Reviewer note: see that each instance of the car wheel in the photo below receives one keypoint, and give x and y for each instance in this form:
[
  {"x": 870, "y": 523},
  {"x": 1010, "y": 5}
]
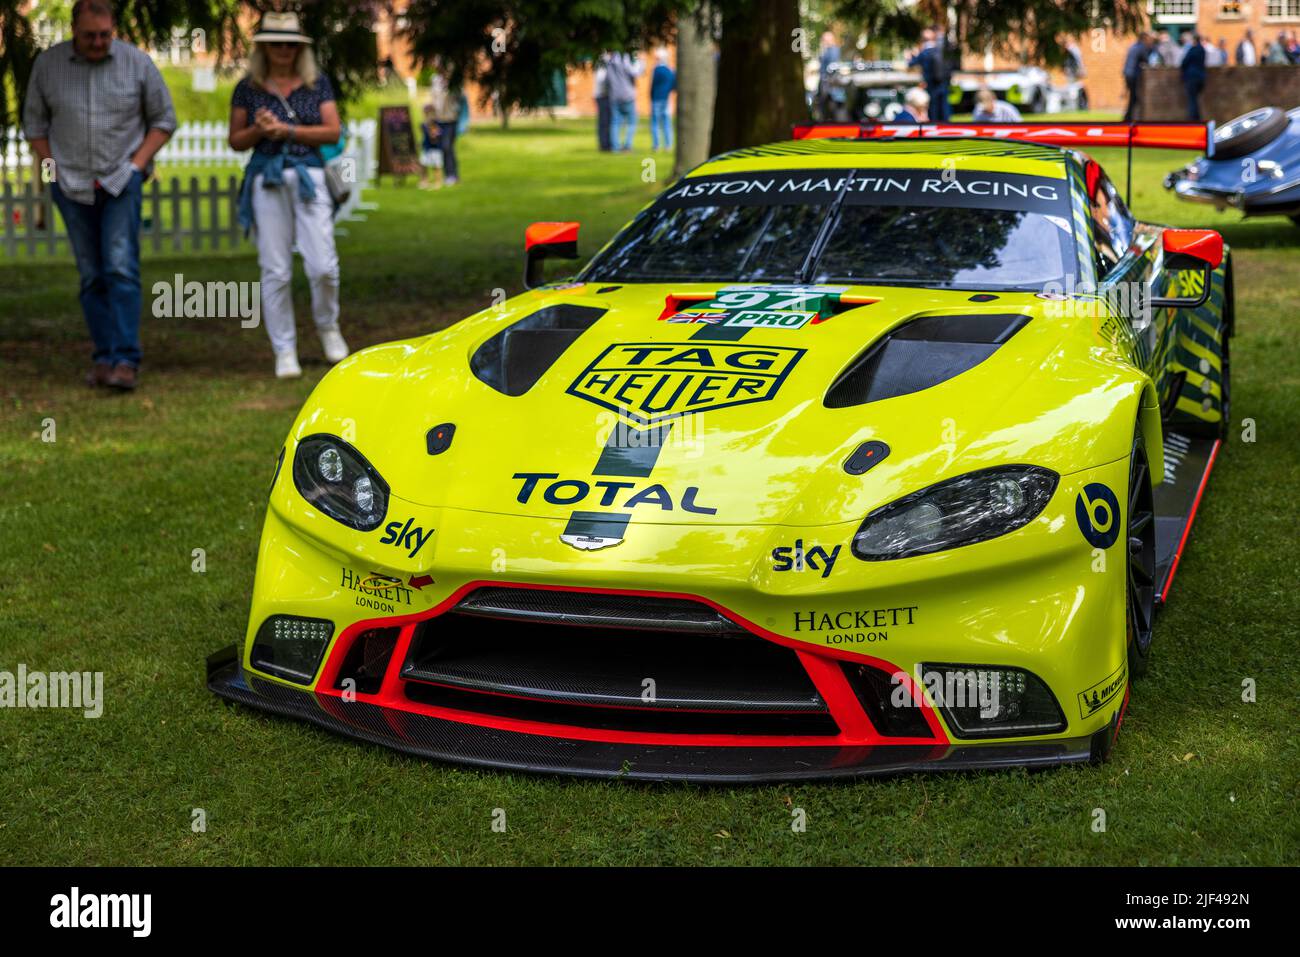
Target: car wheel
[
  {"x": 1140, "y": 558},
  {"x": 1249, "y": 132}
]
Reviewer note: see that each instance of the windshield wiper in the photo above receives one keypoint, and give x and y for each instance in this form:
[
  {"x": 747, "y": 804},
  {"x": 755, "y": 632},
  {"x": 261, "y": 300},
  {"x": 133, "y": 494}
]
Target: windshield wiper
[{"x": 828, "y": 226}]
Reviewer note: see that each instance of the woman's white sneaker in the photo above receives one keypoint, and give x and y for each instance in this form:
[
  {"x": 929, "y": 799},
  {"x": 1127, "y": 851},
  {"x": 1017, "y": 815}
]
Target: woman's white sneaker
[
  {"x": 286, "y": 365},
  {"x": 336, "y": 350}
]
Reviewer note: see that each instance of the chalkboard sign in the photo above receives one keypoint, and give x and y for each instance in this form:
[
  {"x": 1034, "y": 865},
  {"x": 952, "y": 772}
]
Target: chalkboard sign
[{"x": 397, "y": 153}]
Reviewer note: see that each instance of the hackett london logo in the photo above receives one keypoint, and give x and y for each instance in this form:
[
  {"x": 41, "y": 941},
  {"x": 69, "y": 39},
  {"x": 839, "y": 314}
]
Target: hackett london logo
[
  {"x": 855, "y": 626},
  {"x": 651, "y": 381}
]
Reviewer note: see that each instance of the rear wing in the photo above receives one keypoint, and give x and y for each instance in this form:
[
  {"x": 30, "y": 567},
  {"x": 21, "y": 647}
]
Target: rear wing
[{"x": 1171, "y": 136}]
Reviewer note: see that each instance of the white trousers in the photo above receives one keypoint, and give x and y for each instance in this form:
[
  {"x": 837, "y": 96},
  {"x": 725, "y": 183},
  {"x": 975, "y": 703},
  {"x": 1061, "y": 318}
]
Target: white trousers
[{"x": 284, "y": 219}]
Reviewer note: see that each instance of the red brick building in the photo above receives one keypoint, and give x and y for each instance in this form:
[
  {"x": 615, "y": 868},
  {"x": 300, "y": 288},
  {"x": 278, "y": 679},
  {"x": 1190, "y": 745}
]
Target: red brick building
[{"x": 1103, "y": 51}]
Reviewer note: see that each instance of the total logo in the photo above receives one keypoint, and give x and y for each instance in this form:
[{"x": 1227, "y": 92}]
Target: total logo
[
  {"x": 1097, "y": 512},
  {"x": 795, "y": 558},
  {"x": 572, "y": 491},
  {"x": 409, "y": 536}
]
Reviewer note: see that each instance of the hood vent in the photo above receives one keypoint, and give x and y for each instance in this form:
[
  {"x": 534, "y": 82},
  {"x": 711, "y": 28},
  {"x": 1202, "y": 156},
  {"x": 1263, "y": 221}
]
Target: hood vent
[
  {"x": 920, "y": 354},
  {"x": 516, "y": 357}
]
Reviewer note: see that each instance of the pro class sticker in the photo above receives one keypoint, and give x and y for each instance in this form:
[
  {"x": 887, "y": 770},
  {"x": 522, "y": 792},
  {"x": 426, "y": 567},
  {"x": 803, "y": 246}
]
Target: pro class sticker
[
  {"x": 765, "y": 307},
  {"x": 1097, "y": 511},
  {"x": 1102, "y": 693}
]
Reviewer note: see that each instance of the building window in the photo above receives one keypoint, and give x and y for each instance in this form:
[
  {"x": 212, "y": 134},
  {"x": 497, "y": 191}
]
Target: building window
[
  {"x": 1282, "y": 10},
  {"x": 1173, "y": 11}
]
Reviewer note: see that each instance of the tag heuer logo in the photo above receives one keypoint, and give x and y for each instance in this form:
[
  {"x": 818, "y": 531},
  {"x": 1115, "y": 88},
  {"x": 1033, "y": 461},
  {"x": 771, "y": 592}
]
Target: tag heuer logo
[{"x": 650, "y": 381}]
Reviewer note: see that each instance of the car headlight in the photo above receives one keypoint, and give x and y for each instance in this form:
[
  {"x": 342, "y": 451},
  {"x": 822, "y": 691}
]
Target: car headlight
[
  {"x": 961, "y": 511},
  {"x": 337, "y": 479}
]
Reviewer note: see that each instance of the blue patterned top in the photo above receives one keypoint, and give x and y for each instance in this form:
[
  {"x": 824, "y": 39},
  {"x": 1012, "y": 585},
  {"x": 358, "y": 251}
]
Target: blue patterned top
[{"x": 306, "y": 102}]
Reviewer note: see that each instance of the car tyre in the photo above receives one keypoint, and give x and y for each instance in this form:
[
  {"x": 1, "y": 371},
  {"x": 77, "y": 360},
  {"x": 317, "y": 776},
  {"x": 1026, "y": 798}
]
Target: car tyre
[{"x": 1266, "y": 125}]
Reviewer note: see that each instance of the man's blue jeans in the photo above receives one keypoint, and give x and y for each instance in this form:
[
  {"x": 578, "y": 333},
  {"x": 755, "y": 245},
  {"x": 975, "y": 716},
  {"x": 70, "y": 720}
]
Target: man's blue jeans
[
  {"x": 105, "y": 239},
  {"x": 661, "y": 124},
  {"x": 624, "y": 127},
  {"x": 939, "y": 107}
]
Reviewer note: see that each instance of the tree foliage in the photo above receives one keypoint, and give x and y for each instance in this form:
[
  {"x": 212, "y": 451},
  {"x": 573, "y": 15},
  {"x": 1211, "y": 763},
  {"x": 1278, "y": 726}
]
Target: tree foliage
[
  {"x": 1033, "y": 28},
  {"x": 514, "y": 48},
  {"x": 345, "y": 46}
]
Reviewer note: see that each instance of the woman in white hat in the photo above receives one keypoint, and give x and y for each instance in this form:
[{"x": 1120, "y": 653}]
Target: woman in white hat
[{"x": 284, "y": 111}]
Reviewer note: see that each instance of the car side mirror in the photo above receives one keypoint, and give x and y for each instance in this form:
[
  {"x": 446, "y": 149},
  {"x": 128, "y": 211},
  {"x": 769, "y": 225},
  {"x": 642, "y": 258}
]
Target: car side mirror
[
  {"x": 547, "y": 241},
  {"x": 1190, "y": 249}
]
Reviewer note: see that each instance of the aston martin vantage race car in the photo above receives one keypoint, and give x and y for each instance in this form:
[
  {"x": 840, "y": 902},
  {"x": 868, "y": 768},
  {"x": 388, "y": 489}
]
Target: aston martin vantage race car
[{"x": 874, "y": 450}]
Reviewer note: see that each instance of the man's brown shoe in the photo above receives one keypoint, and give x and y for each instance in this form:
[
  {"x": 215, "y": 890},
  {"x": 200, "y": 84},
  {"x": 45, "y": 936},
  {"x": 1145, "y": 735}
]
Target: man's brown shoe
[
  {"x": 99, "y": 374},
  {"x": 123, "y": 377}
]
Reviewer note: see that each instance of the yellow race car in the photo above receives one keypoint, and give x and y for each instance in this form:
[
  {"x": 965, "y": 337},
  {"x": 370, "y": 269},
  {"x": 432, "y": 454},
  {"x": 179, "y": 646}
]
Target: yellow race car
[{"x": 868, "y": 451}]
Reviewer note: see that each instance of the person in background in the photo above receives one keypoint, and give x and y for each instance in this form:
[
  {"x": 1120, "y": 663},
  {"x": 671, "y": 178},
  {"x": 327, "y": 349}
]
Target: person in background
[
  {"x": 916, "y": 107},
  {"x": 100, "y": 110},
  {"x": 1189, "y": 39},
  {"x": 1247, "y": 55},
  {"x": 1276, "y": 54},
  {"x": 830, "y": 53},
  {"x": 989, "y": 109},
  {"x": 284, "y": 111},
  {"x": 430, "y": 154},
  {"x": 620, "y": 76},
  {"x": 604, "y": 117},
  {"x": 1216, "y": 54},
  {"x": 462, "y": 122},
  {"x": 446, "y": 113},
  {"x": 1074, "y": 66},
  {"x": 663, "y": 81},
  {"x": 1134, "y": 60},
  {"x": 931, "y": 58},
  {"x": 1292, "y": 49},
  {"x": 1165, "y": 52},
  {"x": 1193, "y": 70}
]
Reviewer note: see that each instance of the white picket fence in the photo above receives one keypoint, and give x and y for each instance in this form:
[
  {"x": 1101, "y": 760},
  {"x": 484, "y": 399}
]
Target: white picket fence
[{"x": 25, "y": 206}]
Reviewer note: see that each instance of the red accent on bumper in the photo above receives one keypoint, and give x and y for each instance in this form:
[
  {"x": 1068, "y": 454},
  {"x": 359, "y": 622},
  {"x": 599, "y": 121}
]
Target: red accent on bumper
[{"x": 855, "y": 727}]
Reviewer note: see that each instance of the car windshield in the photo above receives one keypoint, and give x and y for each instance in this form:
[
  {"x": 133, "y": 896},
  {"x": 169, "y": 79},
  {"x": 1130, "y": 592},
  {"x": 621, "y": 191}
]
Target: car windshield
[{"x": 938, "y": 228}]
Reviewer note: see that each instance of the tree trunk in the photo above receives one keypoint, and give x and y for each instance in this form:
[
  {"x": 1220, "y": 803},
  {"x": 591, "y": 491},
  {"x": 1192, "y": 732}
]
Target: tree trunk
[
  {"x": 697, "y": 85},
  {"x": 760, "y": 77}
]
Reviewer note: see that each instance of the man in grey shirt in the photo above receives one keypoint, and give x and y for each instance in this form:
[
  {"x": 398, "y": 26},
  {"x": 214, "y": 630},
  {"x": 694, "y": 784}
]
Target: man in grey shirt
[
  {"x": 98, "y": 109},
  {"x": 621, "y": 71}
]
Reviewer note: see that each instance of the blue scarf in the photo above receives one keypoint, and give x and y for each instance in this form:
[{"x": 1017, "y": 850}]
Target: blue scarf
[{"x": 271, "y": 167}]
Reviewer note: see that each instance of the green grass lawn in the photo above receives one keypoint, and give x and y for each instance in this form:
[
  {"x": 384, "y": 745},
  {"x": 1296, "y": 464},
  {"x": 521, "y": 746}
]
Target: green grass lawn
[{"x": 97, "y": 531}]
